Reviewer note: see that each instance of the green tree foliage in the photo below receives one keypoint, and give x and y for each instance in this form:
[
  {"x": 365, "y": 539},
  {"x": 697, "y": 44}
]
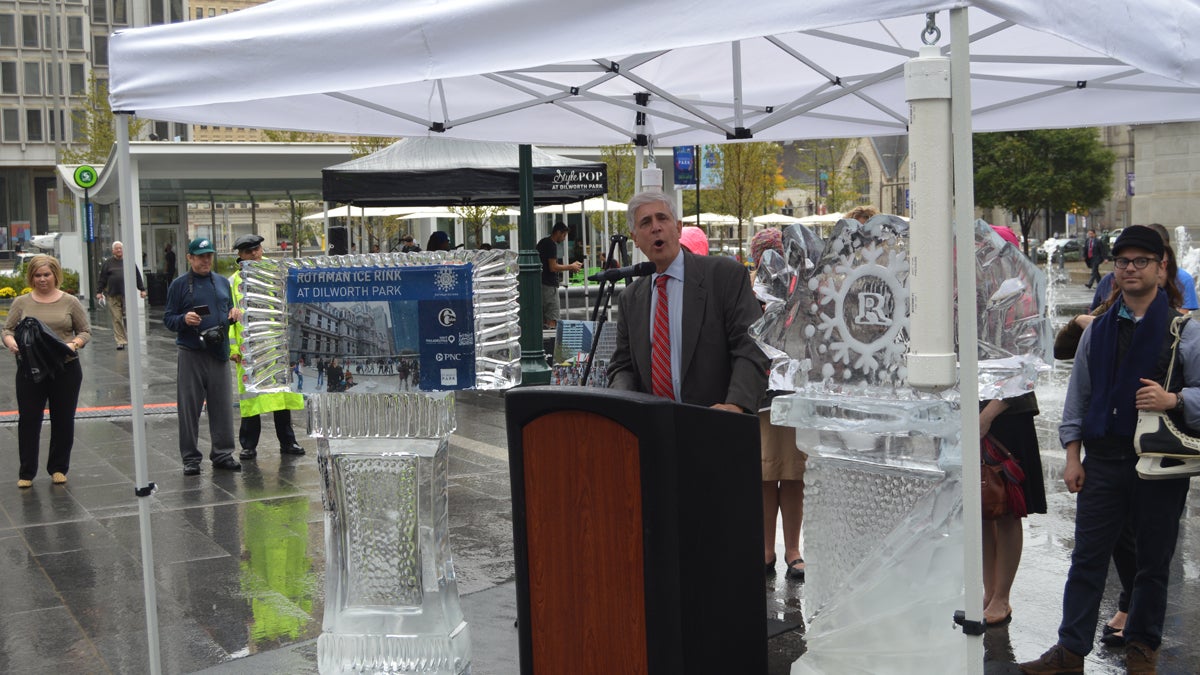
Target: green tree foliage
[
  {"x": 286, "y": 136},
  {"x": 750, "y": 177},
  {"x": 99, "y": 130},
  {"x": 825, "y": 154},
  {"x": 1029, "y": 171},
  {"x": 362, "y": 146},
  {"x": 476, "y": 217},
  {"x": 296, "y": 230},
  {"x": 622, "y": 167}
]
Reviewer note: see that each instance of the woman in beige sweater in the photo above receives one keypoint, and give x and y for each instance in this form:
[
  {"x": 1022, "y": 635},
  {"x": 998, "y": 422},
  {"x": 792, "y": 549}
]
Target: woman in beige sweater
[{"x": 63, "y": 314}]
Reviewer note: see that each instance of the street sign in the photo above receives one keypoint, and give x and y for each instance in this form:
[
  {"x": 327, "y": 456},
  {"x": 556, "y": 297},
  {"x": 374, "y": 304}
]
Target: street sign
[{"x": 85, "y": 176}]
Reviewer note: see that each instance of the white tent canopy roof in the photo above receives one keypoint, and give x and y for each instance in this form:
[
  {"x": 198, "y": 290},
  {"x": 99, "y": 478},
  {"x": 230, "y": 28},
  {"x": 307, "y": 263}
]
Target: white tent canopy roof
[
  {"x": 592, "y": 205},
  {"x": 414, "y": 67}
]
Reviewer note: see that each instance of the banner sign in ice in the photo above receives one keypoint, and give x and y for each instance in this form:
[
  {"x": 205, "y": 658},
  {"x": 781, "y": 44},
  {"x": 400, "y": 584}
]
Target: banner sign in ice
[{"x": 390, "y": 328}]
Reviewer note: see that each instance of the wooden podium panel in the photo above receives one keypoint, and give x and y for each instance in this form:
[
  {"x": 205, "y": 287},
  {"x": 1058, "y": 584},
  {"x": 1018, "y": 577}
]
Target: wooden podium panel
[
  {"x": 637, "y": 532},
  {"x": 584, "y": 509}
]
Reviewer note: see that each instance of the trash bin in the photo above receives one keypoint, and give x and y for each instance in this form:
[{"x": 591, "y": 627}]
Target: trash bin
[{"x": 156, "y": 288}]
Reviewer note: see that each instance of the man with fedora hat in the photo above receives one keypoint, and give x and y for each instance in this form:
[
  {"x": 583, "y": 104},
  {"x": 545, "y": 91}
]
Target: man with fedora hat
[
  {"x": 1120, "y": 368},
  {"x": 251, "y": 406},
  {"x": 199, "y": 310}
]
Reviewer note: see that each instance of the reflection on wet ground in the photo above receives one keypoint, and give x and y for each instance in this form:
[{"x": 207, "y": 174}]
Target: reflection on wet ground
[{"x": 239, "y": 559}]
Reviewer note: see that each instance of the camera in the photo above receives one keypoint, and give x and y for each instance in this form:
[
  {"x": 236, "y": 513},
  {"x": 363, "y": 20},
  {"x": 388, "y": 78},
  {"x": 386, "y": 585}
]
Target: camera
[{"x": 214, "y": 337}]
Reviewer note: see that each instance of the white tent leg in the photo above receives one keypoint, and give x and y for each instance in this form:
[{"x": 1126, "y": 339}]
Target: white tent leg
[
  {"x": 964, "y": 222},
  {"x": 131, "y": 219}
]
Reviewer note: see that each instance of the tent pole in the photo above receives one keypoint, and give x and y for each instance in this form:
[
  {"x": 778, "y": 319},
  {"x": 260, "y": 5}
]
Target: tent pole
[
  {"x": 964, "y": 217},
  {"x": 132, "y": 212},
  {"x": 534, "y": 369}
]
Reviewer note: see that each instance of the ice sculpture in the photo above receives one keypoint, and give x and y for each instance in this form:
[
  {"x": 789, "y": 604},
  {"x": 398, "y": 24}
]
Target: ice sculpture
[
  {"x": 406, "y": 329},
  {"x": 883, "y": 497}
]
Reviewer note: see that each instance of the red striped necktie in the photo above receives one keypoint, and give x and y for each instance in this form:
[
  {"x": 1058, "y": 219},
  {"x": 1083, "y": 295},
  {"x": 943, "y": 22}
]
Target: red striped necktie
[{"x": 661, "y": 343}]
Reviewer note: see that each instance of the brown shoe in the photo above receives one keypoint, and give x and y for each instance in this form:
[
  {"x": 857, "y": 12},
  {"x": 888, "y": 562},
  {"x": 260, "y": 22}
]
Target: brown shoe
[
  {"x": 1058, "y": 660},
  {"x": 1140, "y": 659}
]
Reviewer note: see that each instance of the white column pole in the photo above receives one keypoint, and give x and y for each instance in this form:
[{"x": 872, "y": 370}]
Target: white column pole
[
  {"x": 131, "y": 215},
  {"x": 964, "y": 223}
]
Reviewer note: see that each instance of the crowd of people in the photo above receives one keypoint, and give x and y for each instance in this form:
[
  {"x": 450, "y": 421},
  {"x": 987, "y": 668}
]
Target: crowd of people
[{"x": 1123, "y": 349}]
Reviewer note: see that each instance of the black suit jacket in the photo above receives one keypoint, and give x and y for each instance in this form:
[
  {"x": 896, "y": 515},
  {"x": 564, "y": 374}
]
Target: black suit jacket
[{"x": 720, "y": 363}]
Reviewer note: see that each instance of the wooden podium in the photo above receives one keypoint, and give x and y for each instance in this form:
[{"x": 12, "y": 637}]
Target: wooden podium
[{"x": 637, "y": 524}]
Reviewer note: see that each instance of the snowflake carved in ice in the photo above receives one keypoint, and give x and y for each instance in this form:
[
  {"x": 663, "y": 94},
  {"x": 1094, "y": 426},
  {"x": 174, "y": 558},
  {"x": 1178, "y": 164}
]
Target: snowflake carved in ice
[
  {"x": 445, "y": 280},
  {"x": 862, "y": 308}
]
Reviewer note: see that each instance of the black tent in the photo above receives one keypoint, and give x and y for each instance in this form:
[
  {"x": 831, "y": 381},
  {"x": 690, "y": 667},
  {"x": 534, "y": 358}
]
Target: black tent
[{"x": 427, "y": 171}]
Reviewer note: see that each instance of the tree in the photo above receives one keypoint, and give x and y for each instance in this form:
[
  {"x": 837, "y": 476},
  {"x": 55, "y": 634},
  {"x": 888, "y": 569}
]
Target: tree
[
  {"x": 1050, "y": 169},
  {"x": 286, "y": 136},
  {"x": 823, "y": 155},
  {"x": 296, "y": 229},
  {"x": 381, "y": 231},
  {"x": 99, "y": 131},
  {"x": 750, "y": 177},
  {"x": 476, "y": 217},
  {"x": 361, "y": 146},
  {"x": 622, "y": 166}
]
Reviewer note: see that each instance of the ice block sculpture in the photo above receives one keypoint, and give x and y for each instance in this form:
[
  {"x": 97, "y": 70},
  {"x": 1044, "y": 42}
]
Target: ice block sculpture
[
  {"x": 883, "y": 497},
  {"x": 400, "y": 333}
]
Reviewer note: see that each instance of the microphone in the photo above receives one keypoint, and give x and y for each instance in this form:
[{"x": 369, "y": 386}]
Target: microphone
[{"x": 639, "y": 270}]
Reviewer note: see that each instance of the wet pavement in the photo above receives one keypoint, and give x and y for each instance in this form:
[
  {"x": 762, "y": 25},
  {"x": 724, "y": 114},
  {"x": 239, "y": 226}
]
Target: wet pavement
[{"x": 239, "y": 558}]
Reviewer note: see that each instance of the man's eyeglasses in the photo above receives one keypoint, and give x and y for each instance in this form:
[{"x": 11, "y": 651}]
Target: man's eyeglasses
[{"x": 1138, "y": 263}]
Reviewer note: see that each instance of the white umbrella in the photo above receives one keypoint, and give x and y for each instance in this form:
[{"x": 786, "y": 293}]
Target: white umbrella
[
  {"x": 711, "y": 219},
  {"x": 822, "y": 219},
  {"x": 446, "y": 212},
  {"x": 359, "y": 211},
  {"x": 774, "y": 219}
]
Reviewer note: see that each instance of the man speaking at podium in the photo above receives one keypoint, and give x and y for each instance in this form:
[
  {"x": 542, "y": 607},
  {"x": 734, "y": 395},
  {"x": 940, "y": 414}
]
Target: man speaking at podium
[{"x": 682, "y": 332}]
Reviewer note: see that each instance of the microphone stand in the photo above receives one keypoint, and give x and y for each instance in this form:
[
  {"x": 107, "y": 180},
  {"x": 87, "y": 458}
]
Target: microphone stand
[{"x": 603, "y": 299}]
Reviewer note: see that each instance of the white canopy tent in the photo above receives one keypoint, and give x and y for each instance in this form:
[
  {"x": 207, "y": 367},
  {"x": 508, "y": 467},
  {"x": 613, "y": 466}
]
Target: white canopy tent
[
  {"x": 779, "y": 71},
  {"x": 776, "y": 70}
]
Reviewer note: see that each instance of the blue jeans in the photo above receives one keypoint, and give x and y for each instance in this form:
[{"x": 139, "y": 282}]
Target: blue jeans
[{"x": 1112, "y": 492}]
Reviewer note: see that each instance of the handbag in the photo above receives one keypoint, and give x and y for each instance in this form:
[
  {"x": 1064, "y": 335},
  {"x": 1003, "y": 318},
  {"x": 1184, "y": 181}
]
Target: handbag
[
  {"x": 1165, "y": 433},
  {"x": 1000, "y": 481}
]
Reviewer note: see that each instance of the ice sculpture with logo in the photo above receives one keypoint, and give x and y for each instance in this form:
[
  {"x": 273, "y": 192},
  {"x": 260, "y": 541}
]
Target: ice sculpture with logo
[
  {"x": 883, "y": 497},
  {"x": 400, "y": 332}
]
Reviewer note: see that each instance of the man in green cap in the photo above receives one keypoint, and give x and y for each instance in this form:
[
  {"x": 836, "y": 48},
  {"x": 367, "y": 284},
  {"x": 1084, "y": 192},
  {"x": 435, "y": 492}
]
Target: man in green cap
[
  {"x": 249, "y": 248},
  {"x": 199, "y": 311}
]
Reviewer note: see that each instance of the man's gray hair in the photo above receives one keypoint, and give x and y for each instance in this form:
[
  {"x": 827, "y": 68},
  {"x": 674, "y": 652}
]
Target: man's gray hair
[
  {"x": 648, "y": 197},
  {"x": 115, "y": 244}
]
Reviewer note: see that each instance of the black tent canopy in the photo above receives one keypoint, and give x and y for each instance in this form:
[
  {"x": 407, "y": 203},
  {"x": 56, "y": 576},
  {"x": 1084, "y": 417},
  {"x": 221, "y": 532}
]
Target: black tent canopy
[{"x": 429, "y": 171}]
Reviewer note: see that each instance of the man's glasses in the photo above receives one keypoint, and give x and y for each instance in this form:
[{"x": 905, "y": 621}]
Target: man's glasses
[{"x": 1138, "y": 263}]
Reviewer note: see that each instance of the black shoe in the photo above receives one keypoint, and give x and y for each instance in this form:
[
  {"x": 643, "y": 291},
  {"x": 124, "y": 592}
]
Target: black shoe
[
  {"x": 1112, "y": 637},
  {"x": 227, "y": 463},
  {"x": 248, "y": 453},
  {"x": 191, "y": 469},
  {"x": 295, "y": 449},
  {"x": 795, "y": 570},
  {"x": 120, "y": 347}
]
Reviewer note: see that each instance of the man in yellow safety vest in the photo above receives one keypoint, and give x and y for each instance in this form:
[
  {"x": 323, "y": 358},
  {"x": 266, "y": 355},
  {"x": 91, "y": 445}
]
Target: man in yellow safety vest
[{"x": 249, "y": 248}]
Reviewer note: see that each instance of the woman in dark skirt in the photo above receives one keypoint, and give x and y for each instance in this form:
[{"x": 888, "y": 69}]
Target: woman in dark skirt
[{"x": 1009, "y": 421}]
